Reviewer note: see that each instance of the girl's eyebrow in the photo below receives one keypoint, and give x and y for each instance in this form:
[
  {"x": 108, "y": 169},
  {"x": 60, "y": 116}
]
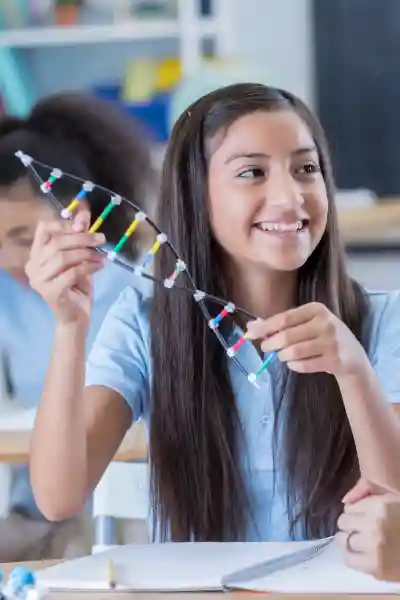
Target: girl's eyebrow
[
  {"x": 237, "y": 155},
  {"x": 298, "y": 151},
  {"x": 305, "y": 150}
]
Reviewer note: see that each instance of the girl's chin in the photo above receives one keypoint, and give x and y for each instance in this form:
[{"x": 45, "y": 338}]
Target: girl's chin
[
  {"x": 20, "y": 276},
  {"x": 286, "y": 262}
]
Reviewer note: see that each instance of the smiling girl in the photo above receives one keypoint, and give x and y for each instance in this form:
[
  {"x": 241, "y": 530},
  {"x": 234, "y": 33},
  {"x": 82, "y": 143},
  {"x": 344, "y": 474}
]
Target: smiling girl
[{"x": 248, "y": 200}]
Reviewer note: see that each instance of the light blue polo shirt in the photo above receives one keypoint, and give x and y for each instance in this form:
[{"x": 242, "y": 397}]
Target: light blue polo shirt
[
  {"x": 26, "y": 334},
  {"x": 120, "y": 360}
]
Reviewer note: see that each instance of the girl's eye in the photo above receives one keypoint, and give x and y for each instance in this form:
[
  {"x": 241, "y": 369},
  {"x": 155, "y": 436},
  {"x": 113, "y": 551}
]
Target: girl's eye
[
  {"x": 309, "y": 169},
  {"x": 251, "y": 173},
  {"x": 24, "y": 242}
]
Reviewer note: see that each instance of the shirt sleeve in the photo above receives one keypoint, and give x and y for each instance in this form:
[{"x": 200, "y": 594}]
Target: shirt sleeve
[
  {"x": 119, "y": 358},
  {"x": 386, "y": 347}
]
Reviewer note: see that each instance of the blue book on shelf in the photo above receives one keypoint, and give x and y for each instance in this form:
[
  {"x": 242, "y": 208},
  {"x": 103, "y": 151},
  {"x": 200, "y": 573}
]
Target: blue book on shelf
[
  {"x": 153, "y": 113},
  {"x": 15, "y": 87}
]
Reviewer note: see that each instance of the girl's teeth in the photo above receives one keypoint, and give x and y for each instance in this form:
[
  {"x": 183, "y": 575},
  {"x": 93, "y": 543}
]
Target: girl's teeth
[{"x": 281, "y": 226}]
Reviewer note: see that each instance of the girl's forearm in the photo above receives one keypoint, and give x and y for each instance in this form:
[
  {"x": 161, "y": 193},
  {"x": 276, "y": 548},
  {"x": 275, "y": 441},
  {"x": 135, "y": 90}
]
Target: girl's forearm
[
  {"x": 375, "y": 426},
  {"x": 58, "y": 460}
]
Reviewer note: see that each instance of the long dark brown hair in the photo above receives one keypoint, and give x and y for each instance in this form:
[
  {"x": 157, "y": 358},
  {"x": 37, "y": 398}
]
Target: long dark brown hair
[{"x": 197, "y": 487}]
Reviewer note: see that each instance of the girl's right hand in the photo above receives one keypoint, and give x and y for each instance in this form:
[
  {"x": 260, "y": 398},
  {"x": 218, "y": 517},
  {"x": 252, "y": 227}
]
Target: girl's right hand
[{"x": 62, "y": 262}]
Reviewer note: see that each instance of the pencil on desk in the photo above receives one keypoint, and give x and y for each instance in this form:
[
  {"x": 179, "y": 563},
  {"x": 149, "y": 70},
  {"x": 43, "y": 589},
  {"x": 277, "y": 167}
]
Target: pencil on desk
[{"x": 112, "y": 581}]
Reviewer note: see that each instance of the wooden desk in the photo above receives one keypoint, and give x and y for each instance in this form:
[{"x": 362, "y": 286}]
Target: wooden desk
[
  {"x": 35, "y": 566},
  {"x": 14, "y": 449},
  {"x": 14, "y": 446},
  {"x": 383, "y": 214},
  {"x": 377, "y": 226}
]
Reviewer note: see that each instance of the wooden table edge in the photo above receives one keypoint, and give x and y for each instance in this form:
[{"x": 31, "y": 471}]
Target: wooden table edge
[{"x": 15, "y": 445}]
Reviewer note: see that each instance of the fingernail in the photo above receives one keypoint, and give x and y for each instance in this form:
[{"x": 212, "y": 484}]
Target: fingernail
[
  {"x": 252, "y": 328},
  {"x": 78, "y": 227},
  {"x": 100, "y": 238},
  {"x": 253, "y": 322}
]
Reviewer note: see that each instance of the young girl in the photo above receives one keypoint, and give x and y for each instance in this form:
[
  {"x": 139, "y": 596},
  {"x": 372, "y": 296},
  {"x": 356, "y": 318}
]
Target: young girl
[
  {"x": 248, "y": 200},
  {"x": 92, "y": 139}
]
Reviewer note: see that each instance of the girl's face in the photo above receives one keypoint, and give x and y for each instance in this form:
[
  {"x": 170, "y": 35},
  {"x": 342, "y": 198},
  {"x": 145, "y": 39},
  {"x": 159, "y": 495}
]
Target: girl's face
[
  {"x": 267, "y": 195},
  {"x": 20, "y": 212}
]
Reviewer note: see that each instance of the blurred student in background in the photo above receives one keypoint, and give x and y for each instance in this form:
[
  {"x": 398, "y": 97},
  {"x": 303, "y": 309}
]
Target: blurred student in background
[{"x": 93, "y": 140}]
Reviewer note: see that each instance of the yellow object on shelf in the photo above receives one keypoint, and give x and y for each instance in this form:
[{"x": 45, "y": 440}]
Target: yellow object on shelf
[
  {"x": 140, "y": 82},
  {"x": 169, "y": 73},
  {"x": 146, "y": 77}
]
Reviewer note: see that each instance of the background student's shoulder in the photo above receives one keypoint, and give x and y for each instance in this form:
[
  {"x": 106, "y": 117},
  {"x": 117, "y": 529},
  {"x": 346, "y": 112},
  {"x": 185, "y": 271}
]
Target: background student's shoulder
[
  {"x": 21, "y": 309},
  {"x": 10, "y": 290},
  {"x": 5, "y": 296},
  {"x": 5, "y": 307}
]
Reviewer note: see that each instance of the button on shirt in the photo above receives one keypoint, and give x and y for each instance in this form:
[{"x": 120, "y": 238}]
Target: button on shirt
[
  {"x": 120, "y": 360},
  {"x": 26, "y": 334}
]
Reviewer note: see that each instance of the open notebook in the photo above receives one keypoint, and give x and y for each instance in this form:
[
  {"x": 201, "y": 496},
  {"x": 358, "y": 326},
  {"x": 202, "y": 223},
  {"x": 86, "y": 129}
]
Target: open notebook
[{"x": 282, "y": 567}]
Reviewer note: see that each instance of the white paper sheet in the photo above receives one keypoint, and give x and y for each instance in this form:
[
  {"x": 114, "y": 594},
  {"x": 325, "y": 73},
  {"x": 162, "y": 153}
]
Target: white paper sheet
[
  {"x": 326, "y": 573},
  {"x": 164, "y": 567}
]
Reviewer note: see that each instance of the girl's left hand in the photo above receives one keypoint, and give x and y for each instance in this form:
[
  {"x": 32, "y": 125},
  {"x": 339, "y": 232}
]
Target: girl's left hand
[
  {"x": 369, "y": 533},
  {"x": 310, "y": 339}
]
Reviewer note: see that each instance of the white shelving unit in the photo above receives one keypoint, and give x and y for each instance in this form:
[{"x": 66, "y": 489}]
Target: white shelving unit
[
  {"x": 88, "y": 34},
  {"x": 189, "y": 29}
]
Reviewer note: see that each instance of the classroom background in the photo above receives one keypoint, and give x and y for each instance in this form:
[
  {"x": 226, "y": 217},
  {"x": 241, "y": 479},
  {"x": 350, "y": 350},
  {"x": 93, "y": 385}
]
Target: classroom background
[{"x": 154, "y": 57}]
